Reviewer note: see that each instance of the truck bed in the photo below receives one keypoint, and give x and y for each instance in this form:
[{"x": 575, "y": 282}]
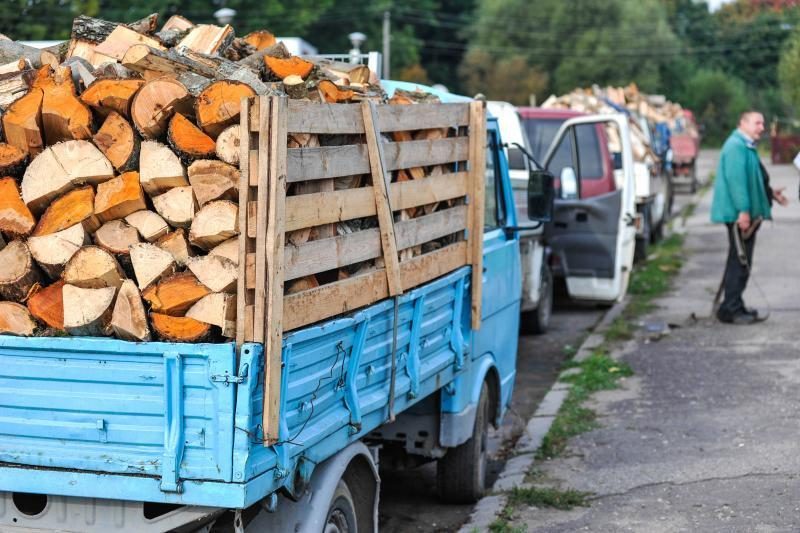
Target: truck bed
[{"x": 181, "y": 423}]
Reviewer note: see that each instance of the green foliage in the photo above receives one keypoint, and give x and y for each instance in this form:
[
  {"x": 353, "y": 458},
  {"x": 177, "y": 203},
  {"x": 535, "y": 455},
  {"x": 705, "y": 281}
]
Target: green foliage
[
  {"x": 548, "y": 497},
  {"x": 717, "y": 99},
  {"x": 510, "y": 79},
  {"x": 789, "y": 70}
]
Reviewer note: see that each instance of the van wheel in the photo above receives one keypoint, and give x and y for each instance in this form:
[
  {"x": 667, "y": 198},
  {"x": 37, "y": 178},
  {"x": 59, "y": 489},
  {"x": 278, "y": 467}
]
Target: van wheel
[
  {"x": 461, "y": 473},
  {"x": 642, "y": 241},
  {"x": 342, "y": 511},
  {"x": 538, "y": 320}
]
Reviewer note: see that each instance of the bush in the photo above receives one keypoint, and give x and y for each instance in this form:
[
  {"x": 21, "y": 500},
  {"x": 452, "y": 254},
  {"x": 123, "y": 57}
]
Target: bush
[{"x": 717, "y": 99}]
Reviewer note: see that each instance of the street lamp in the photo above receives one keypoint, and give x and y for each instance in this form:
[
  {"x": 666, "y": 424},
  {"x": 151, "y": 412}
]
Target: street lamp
[
  {"x": 225, "y": 15},
  {"x": 356, "y": 39}
]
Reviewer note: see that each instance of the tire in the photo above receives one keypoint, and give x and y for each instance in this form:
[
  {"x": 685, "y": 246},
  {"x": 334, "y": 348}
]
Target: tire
[
  {"x": 341, "y": 516},
  {"x": 461, "y": 473},
  {"x": 643, "y": 241},
  {"x": 693, "y": 177},
  {"x": 538, "y": 320}
]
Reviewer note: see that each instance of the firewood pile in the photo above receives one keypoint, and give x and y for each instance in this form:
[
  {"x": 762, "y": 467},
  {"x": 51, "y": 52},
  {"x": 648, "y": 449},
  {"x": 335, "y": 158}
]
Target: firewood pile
[{"x": 120, "y": 174}]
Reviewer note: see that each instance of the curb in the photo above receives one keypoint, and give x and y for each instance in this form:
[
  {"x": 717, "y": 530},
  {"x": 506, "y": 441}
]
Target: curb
[{"x": 524, "y": 452}]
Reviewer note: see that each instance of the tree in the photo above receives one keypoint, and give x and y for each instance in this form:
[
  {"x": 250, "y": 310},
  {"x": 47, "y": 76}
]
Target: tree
[
  {"x": 717, "y": 99},
  {"x": 789, "y": 70},
  {"x": 510, "y": 79}
]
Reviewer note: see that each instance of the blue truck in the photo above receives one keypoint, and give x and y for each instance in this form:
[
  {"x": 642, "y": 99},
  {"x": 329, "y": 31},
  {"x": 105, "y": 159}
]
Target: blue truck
[{"x": 106, "y": 435}]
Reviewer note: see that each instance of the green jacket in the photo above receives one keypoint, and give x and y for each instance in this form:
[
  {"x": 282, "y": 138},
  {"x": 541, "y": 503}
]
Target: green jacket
[{"x": 739, "y": 185}]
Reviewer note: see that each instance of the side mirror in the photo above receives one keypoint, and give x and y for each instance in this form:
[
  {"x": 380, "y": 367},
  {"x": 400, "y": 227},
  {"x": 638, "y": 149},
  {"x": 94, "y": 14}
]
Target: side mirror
[
  {"x": 617, "y": 160},
  {"x": 541, "y": 194},
  {"x": 516, "y": 159},
  {"x": 569, "y": 184}
]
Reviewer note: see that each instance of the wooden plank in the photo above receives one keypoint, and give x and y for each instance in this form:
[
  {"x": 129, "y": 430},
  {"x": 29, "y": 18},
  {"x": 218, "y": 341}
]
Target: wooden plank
[
  {"x": 274, "y": 246},
  {"x": 244, "y": 298},
  {"x": 313, "y": 305},
  {"x": 317, "y": 304},
  {"x": 321, "y": 162},
  {"x": 338, "y": 119},
  {"x": 430, "y": 266},
  {"x": 426, "y": 228},
  {"x": 259, "y": 222},
  {"x": 415, "y": 193},
  {"x": 477, "y": 171},
  {"x": 328, "y": 254},
  {"x": 380, "y": 186}
]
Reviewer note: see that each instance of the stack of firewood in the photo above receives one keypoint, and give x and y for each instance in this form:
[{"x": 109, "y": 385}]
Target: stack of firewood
[{"x": 119, "y": 174}]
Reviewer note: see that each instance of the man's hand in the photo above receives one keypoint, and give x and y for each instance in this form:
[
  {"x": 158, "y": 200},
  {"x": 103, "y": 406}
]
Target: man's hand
[
  {"x": 779, "y": 197},
  {"x": 743, "y": 221}
]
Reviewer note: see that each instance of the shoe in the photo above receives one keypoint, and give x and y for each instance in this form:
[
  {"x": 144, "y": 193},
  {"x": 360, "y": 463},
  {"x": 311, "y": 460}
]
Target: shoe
[
  {"x": 743, "y": 319},
  {"x": 754, "y": 312}
]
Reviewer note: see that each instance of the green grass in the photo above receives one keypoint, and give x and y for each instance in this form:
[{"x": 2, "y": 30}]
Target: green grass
[
  {"x": 654, "y": 278},
  {"x": 548, "y": 497},
  {"x": 598, "y": 372}
]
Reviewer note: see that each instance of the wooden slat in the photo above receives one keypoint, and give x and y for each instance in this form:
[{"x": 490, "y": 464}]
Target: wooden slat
[
  {"x": 244, "y": 331},
  {"x": 323, "y": 162},
  {"x": 274, "y": 251},
  {"x": 477, "y": 171},
  {"x": 380, "y": 186},
  {"x": 415, "y": 193},
  {"x": 259, "y": 222},
  {"x": 429, "y": 227},
  {"x": 430, "y": 266},
  {"x": 327, "y": 254},
  {"x": 323, "y": 302},
  {"x": 338, "y": 119}
]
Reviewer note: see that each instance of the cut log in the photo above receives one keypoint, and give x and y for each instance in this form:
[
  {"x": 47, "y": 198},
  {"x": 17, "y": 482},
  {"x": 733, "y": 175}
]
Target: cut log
[
  {"x": 129, "y": 320},
  {"x": 170, "y": 38},
  {"x": 160, "y": 169},
  {"x": 281, "y": 68},
  {"x": 177, "y": 245},
  {"x": 47, "y": 305},
  {"x": 117, "y": 140},
  {"x": 92, "y": 267},
  {"x": 179, "y": 328},
  {"x": 16, "y": 320},
  {"x": 150, "y": 263},
  {"x": 13, "y": 51},
  {"x": 22, "y": 123},
  {"x": 155, "y": 103},
  {"x": 149, "y": 61},
  {"x": 15, "y": 66},
  {"x": 60, "y": 168},
  {"x": 146, "y": 25},
  {"x": 64, "y": 116},
  {"x": 150, "y": 225},
  {"x": 82, "y": 72},
  {"x": 257, "y": 62},
  {"x": 213, "y": 180},
  {"x": 116, "y": 237},
  {"x": 238, "y": 50},
  {"x": 215, "y": 272},
  {"x": 15, "y": 217},
  {"x": 177, "y": 22},
  {"x": 107, "y": 95},
  {"x": 18, "y": 272},
  {"x": 119, "y": 197},
  {"x": 121, "y": 39},
  {"x": 260, "y": 39},
  {"x": 52, "y": 252},
  {"x": 175, "y": 294},
  {"x": 228, "y": 143},
  {"x": 332, "y": 94},
  {"x": 219, "y": 105},
  {"x": 223, "y": 69},
  {"x": 88, "y": 311},
  {"x": 302, "y": 284},
  {"x": 345, "y": 73},
  {"x": 74, "y": 207},
  {"x": 216, "y": 222},
  {"x": 295, "y": 87},
  {"x": 15, "y": 85},
  {"x": 86, "y": 50},
  {"x": 228, "y": 249},
  {"x": 208, "y": 39},
  {"x": 12, "y": 160},
  {"x": 218, "y": 310},
  {"x": 176, "y": 206},
  {"x": 188, "y": 140}
]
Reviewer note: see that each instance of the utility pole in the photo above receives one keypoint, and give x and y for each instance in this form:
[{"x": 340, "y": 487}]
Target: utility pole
[{"x": 387, "y": 44}]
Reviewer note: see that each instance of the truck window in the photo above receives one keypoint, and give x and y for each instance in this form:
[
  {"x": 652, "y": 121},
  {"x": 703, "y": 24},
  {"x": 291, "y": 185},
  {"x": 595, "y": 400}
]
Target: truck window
[
  {"x": 589, "y": 152},
  {"x": 541, "y": 134},
  {"x": 494, "y": 215}
]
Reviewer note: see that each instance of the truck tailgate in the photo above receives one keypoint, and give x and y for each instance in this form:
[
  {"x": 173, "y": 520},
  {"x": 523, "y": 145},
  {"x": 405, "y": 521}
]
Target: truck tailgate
[{"x": 117, "y": 407}]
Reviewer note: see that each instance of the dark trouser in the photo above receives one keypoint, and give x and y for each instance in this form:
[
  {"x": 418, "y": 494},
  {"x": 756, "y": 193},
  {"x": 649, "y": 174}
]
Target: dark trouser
[{"x": 736, "y": 275}]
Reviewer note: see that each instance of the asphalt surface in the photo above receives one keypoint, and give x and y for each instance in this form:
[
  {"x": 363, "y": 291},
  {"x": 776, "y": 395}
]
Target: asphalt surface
[{"x": 704, "y": 437}]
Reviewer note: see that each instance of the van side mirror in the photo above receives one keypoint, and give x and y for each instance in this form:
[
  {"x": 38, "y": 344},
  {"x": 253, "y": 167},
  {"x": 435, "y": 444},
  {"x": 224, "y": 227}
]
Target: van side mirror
[
  {"x": 541, "y": 194},
  {"x": 617, "y": 160},
  {"x": 516, "y": 159}
]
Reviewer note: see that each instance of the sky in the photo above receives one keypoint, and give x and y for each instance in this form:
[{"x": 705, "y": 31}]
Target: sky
[{"x": 713, "y": 5}]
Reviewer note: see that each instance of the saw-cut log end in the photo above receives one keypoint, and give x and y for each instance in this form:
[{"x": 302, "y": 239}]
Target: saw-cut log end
[
  {"x": 188, "y": 140},
  {"x": 150, "y": 225},
  {"x": 219, "y": 105},
  {"x": 88, "y": 311},
  {"x": 15, "y": 217},
  {"x": 92, "y": 267},
  {"x": 111, "y": 95},
  {"x": 118, "y": 142},
  {"x": 175, "y": 294},
  {"x": 218, "y": 310},
  {"x": 15, "y": 319},
  {"x": 47, "y": 305},
  {"x": 260, "y": 39},
  {"x": 53, "y": 251},
  {"x": 129, "y": 319},
  {"x": 155, "y": 103},
  {"x": 217, "y": 273},
  {"x": 294, "y": 65},
  {"x": 213, "y": 180},
  {"x": 74, "y": 207},
  {"x": 177, "y": 245},
  {"x": 228, "y": 145},
  {"x": 18, "y": 272},
  {"x": 215, "y": 223},
  {"x": 119, "y": 197},
  {"x": 160, "y": 169},
  {"x": 179, "y": 328},
  {"x": 177, "y": 206},
  {"x": 150, "y": 263}
]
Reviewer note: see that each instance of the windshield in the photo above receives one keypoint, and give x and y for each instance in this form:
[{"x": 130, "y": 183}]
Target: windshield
[{"x": 541, "y": 133}]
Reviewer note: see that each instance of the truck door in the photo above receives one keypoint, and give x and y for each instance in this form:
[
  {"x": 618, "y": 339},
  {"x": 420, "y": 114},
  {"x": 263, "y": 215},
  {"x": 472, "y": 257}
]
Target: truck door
[{"x": 593, "y": 238}]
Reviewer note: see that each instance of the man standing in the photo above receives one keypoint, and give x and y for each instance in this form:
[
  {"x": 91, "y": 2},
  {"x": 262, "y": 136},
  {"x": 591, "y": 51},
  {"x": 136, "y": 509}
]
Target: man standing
[{"x": 742, "y": 198}]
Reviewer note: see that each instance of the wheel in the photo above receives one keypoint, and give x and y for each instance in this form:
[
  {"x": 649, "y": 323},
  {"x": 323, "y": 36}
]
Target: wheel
[
  {"x": 342, "y": 511},
  {"x": 538, "y": 320},
  {"x": 461, "y": 473},
  {"x": 693, "y": 177},
  {"x": 643, "y": 240}
]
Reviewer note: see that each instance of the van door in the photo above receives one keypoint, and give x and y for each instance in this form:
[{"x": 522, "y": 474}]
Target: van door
[{"x": 593, "y": 238}]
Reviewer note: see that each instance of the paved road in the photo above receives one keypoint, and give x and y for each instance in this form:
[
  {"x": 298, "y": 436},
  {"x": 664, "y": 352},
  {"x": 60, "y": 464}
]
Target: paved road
[{"x": 704, "y": 437}]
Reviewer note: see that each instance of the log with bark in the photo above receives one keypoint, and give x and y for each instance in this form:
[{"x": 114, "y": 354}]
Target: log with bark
[
  {"x": 129, "y": 319},
  {"x": 64, "y": 116},
  {"x": 228, "y": 145},
  {"x": 155, "y": 103},
  {"x": 118, "y": 142},
  {"x": 119, "y": 197},
  {"x": 219, "y": 105},
  {"x": 47, "y": 305},
  {"x": 107, "y": 95},
  {"x": 52, "y": 252},
  {"x": 281, "y": 68},
  {"x": 88, "y": 311},
  {"x": 177, "y": 206},
  {"x": 12, "y": 160},
  {"x": 179, "y": 328},
  {"x": 15, "y": 319},
  {"x": 175, "y": 294},
  {"x": 93, "y": 267},
  {"x": 117, "y": 237},
  {"x": 74, "y": 207},
  {"x": 18, "y": 272},
  {"x": 189, "y": 141}
]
